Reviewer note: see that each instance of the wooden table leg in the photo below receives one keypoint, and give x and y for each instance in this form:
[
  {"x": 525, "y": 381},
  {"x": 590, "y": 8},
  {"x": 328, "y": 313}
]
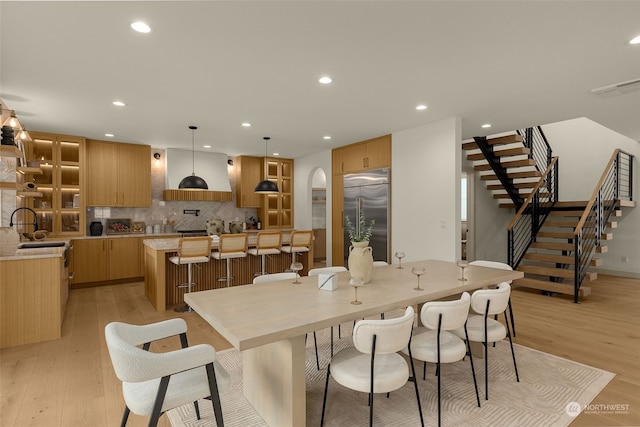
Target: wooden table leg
[{"x": 274, "y": 381}]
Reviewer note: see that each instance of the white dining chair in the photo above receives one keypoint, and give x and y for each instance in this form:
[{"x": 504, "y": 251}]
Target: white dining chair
[
  {"x": 434, "y": 343},
  {"x": 274, "y": 277},
  {"x": 153, "y": 383},
  {"x": 481, "y": 328},
  {"x": 373, "y": 364},
  {"x": 502, "y": 266},
  {"x": 315, "y": 272}
]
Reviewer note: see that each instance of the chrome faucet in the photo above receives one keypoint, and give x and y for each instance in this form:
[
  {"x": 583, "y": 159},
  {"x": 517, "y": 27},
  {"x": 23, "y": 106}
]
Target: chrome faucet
[{"x": 35, "y": 218}]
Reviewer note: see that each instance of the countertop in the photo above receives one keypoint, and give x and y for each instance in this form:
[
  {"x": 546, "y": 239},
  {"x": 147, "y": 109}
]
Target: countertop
[
  {"x": 34, "y": 253},
  {"x": 171, "y": 244}
]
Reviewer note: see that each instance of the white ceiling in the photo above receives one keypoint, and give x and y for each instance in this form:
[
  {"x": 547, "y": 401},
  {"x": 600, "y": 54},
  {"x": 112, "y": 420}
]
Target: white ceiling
[{"x": 217, "y": 64}]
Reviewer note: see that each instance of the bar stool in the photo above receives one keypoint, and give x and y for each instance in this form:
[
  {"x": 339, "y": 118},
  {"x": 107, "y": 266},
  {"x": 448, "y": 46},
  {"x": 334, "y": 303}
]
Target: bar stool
[
  {"x": 267, "y": 243},
  {"x": 191, "y": 250},
  {"x": 300, "y": 242},
  {"x": 231, "y": 246}
]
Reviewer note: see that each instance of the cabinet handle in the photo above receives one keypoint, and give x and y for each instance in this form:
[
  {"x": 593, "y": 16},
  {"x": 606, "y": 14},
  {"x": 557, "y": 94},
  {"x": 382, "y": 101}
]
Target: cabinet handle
[
  {"x": 110, "y": 244},
  {"x": 115, "y": 198},
  {"x": 123, "y": 197}
]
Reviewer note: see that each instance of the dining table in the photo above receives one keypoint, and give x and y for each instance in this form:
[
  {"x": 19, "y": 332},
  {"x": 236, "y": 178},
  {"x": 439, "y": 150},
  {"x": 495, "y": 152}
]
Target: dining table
[{"x": 267, "y": 322}]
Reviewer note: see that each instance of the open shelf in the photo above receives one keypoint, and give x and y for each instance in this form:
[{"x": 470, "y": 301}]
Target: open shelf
[{"x": 26, "y": 170}]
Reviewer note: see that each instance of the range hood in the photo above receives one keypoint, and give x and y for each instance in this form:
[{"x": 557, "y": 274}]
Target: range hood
[{"x": 212, "y": 167}]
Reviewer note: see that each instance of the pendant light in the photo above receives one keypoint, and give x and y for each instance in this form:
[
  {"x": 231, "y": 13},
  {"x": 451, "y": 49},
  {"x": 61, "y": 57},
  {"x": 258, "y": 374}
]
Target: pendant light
[
  {"x": 193, "y": 182},
  {"x": 266, "y": 186}
]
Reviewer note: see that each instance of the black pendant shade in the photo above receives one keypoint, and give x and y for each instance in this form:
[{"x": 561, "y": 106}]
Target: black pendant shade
[
  {"x": 193, "y": 182},
  {"x": 265, "y": 186}
]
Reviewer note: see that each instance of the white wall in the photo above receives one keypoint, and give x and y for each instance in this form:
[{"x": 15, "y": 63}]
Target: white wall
[
  {"x": 584, "y": 149},
  {"x": 425, "y": 191},
  {"x": 303, "y": 173}
]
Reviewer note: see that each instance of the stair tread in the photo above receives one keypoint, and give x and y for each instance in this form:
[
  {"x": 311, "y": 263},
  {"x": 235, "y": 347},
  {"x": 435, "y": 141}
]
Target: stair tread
[
  {"x": 512, "y": 175},
  {"x": 501, "y": 153},
  {"x": 554, "y": 272},
  {"x": 562, "y": 259},
  {"x": 518, "y": 185},
  {"x": 507, "y": 165},
  {"x": 507, "y": 139},
  {"x": 562, "y": 288}
]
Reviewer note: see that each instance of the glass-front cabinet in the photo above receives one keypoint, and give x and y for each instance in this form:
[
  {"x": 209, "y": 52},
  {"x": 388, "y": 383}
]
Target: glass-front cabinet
[
  {"x": 277, "y": 209},
  {"x": 59, "y": 157}
]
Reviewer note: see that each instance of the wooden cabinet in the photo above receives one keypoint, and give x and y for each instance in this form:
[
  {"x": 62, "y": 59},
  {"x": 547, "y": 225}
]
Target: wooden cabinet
[
  {"x": 249, "y": 172},
  {"x": 276, "y": 210},
  {"x": 33, "y": 297},
  {"x": 99, "y": 260},
  {"x": 60, "y": 180},
  {"x": 120, "y": 174},
  {"x": 366, "y": 155}
]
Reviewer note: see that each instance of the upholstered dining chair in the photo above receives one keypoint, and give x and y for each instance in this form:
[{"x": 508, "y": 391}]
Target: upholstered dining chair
[
  {"x": 267, "y": 243},
  {"x": 434, "y": 343},
  {"x": 191, "y": 250},
  {"x": 231, "y": 246},
  {"x": 325, "y": 270},
  {"x": 153, "y": 383},
  {"x": 373, "y": 364},
  {"x": 481, "y": 328},
  {"x": 274, "y": 277},
  {"x": 502, "y": 266}
]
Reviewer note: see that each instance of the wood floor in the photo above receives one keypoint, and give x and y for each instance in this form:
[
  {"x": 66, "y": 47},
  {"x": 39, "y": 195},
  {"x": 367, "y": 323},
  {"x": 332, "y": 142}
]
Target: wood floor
[{"x": 70, "y": 382}]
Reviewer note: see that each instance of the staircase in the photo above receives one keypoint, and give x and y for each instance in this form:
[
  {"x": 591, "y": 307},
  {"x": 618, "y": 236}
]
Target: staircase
[{"x": 554, "y": 243}]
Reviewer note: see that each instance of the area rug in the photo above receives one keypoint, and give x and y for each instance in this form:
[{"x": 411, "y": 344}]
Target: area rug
[{"x": 551, "y": 392}]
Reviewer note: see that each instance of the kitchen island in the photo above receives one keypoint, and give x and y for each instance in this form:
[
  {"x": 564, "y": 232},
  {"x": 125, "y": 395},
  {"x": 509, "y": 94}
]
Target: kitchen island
[
  {"x": 161, "y": 276},
  {"x": 34, "y": 287}
]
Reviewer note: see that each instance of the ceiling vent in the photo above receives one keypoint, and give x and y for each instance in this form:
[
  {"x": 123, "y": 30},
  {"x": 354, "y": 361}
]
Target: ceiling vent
[{"x": 617, "y": 88}]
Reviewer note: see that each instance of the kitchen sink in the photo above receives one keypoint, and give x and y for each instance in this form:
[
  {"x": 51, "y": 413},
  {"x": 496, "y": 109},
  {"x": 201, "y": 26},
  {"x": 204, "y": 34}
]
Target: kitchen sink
[{"x": 31, "y": 245}]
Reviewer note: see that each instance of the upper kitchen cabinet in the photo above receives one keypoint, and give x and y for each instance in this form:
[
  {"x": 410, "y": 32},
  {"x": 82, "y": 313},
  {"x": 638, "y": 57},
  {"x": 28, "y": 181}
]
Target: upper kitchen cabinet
[
  {"x": 249, "y": 172},
  {"x": 276, "y": 210},
  {"x": 60, "y": 159},
  {"x": 120, "y": 174},
  {"x": 366, "y": 155}
]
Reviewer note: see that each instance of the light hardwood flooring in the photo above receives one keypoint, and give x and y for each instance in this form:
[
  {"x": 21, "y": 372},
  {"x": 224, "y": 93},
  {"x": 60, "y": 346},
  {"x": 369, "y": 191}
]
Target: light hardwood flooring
[{"x": 70, "y": 382}]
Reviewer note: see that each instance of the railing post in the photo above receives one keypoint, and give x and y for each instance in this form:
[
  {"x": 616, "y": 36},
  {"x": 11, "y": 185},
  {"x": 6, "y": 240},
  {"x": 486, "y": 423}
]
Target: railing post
[
  {"x": 617, "y": 167},
  {"x": 510, "y": 248},
  {"x": 577, "y": 252},
  {"x": 535, "y": 216}
]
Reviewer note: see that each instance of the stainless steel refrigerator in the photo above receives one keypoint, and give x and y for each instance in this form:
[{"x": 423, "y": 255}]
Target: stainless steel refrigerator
[{"x": 369, "y": 192}]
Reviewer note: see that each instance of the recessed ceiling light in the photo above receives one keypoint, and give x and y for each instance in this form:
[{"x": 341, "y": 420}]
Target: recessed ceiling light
[
  {"x": 635, "y": 40},
  {"x": 246, "y": 125},
  {"x": 276, "y": 154},
  {"x": 118, "y": 103},
  {"x": 206, "y": 146},
  {"x": 486, "y": 125},
  {"x": 140, "y": 27},
  {"x": 326, "y": 137},
  {"x": 421, "y": 107},
  {"x": 110, "y": 135},
  {"x": 325, "y": 80}
]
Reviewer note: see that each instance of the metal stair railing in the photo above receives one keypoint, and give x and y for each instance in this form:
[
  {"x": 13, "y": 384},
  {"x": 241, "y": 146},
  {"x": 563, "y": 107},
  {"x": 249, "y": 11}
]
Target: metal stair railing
[
  {"x": 615, "y": 184},
  {"x": 524, "y": 226},
  {"x": 535, "y": 139}
]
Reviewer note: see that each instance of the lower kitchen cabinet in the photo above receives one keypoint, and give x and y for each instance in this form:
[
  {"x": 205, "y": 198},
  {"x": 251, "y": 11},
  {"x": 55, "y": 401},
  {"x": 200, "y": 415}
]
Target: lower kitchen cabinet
[
  {"x": 33, "y": 298},
  {"x": 99, "y": 260}
]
